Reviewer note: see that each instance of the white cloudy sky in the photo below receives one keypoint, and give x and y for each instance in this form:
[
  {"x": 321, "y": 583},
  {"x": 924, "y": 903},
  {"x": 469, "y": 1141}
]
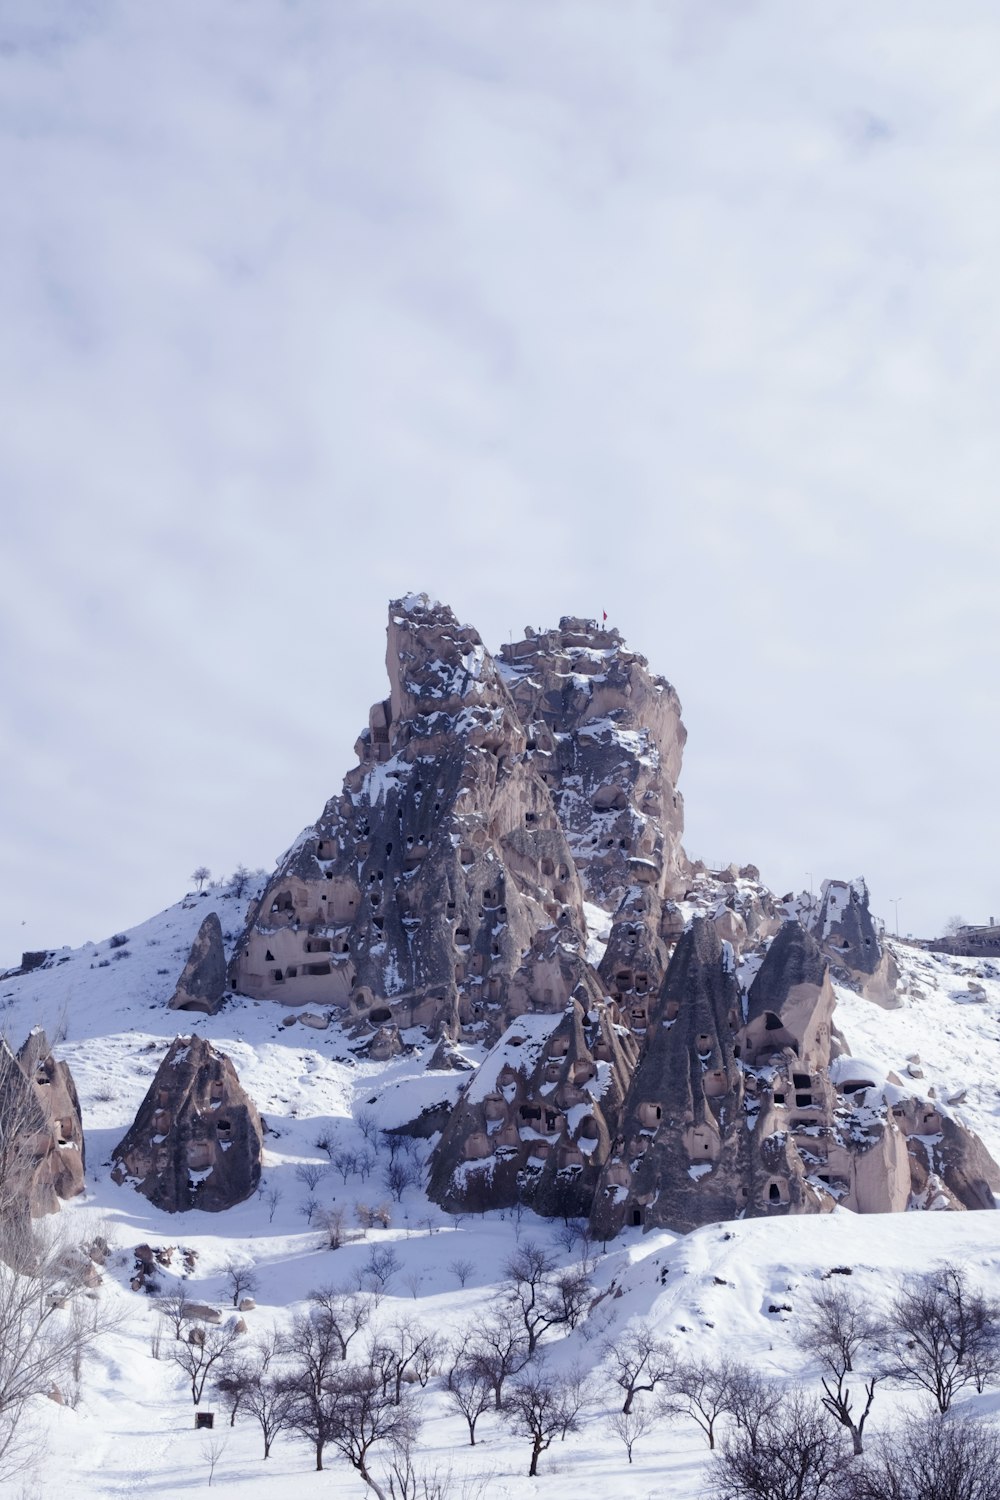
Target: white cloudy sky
[{"x": 685, "y": 311}]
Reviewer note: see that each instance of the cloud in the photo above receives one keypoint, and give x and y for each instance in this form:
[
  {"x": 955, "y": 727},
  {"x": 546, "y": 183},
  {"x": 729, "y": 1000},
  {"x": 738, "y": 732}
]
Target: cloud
[{"x": 683, "y": 312}]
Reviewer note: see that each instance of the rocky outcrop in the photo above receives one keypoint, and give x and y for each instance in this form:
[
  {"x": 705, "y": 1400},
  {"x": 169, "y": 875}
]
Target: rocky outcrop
[
  {"x": 537, "y": 1122},
  {"x": 197, "y": 1138},
  {"x": 606, "y": 737},
  {"x": 494, "y": 806},
  {"x": 948, "y": 1165},
  {"x": 202, "y": 984},
  {"x": 439, "y": 888},
  {"x": 681, "y": 1159},
  {"x": 842, "y": 925},
  {"x": 42, "y": 1156}
]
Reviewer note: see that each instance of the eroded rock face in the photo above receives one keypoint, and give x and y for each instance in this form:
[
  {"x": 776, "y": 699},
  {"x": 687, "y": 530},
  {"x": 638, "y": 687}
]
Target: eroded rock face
[
  {"x": 197, "y": 1138},
  {"x": 843, "y": 926},
  {"x": 439, "y": 888},
  {"x": 42, "y": 1156},
  {"x": 447, "y": 887},
  {"x": 731, "y": 1110},
  {"x": 203, "y": 980},
  {"x": 681, "y": 1159},
  {"x": 538, "y": 1120},
  {"x": 606, "y": 736}
]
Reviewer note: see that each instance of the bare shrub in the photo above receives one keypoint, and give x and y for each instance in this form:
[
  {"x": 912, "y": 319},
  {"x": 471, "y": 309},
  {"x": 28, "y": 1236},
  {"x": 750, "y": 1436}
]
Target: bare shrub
[
  {"x": 796, "y": 1456},
  {"x": 461, "y": 1270},
  {"x": 929, "y": 1460},
  {"x": 942, "y": 1336}
]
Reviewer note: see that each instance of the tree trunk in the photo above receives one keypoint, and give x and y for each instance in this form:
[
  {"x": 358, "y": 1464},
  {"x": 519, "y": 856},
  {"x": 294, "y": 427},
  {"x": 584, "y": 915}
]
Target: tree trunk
[{"x": 536, "y": 1449}]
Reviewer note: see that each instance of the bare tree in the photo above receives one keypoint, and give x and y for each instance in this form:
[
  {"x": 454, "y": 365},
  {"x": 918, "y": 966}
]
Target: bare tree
[
  {"x": 314, "y": 1348},
  {"x": 530, "y": 1287},
  {"x": 700, "y": 1390},
  {"x": 200, "y": 875},
  {"x": 367, "y": 1124},
  {"x": 571, "y": 1292},
  {"x": 212, "y": 1449},
  {"x": 942, "y": 1336},
  {"x": 364, "y": 1163},
  {"x": 796, "y": 1456},
  {"x": 333, "y": 1222},
  {"x": 538, "y": 1406},
  {"x": 201, "y": 1352},
  {"x": 232, "y": 1382},
  {"x": 266, "y": 1395},
  {"x": 930, "y": 1460},
  {"x": 308, "y": 1207},
  {"x": 380, "y": 1267},
  {"x": 461, "y": 1269},
  {"x": 406, "y": 1351},
  {"x": 241, "y": 1280},
  {"x": 272, "y": 1198},
  {"x": 345, "y": 1162},
  {"x": 310, "y": 1173},
  {"x": 470, "y": 1392},
  {"x": 406, "y": 1481},
  {"x": 175, "y": 1308},
  {"x": 499, "y": 1350},
  {"x": 343, "y": 1314},
  {"x": 239, "y": 881},
  {"x": 368, "y": 1417},
  {"x": 49, "y": 1320},
  {"x": 638, "y": 1361},
  {"x": 837, "y": 1328},
  {"x": 753, "y": 1399},
  {"x": 631, "y": 1425},
  {"x": 400, "y": 1174}
]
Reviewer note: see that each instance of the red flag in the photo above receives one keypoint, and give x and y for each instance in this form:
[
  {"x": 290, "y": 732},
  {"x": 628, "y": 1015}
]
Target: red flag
[{"x": 605, "y": 613}]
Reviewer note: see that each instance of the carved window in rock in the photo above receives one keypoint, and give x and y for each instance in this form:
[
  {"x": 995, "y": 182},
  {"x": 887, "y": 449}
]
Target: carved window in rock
[
  {"x": 282, "y": 902},
  {"x": 716, "y": 1084},
  {"x": 199, "y": 1155}
]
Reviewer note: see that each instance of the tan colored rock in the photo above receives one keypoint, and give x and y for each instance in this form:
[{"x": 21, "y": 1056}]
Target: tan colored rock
[
  {"x": 416, "y": 896},
  {"x": 42, "y": 1156}
]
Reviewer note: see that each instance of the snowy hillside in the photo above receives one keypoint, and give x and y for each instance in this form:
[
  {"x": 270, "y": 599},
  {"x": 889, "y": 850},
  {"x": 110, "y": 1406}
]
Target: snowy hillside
[{"x": 723, "y": 1290}]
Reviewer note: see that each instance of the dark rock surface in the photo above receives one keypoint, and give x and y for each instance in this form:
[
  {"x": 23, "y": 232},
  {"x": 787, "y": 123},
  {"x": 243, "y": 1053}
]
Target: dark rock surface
[
  {"x": 203, "y": 980},
  {"x": 197, "y": 1138}
]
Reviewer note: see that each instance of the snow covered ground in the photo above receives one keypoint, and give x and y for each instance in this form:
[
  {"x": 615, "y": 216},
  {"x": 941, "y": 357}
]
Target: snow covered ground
[{"x": 732, "y": 1289}]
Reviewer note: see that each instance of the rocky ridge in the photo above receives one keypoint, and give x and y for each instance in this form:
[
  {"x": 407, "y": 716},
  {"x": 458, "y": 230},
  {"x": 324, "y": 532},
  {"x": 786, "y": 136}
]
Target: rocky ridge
[{"x": 694, "y": 1072}]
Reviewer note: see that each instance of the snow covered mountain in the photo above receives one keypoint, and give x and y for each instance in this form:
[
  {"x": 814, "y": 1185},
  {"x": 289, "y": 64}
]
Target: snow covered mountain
[{"x": 342, "y": 1200}]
